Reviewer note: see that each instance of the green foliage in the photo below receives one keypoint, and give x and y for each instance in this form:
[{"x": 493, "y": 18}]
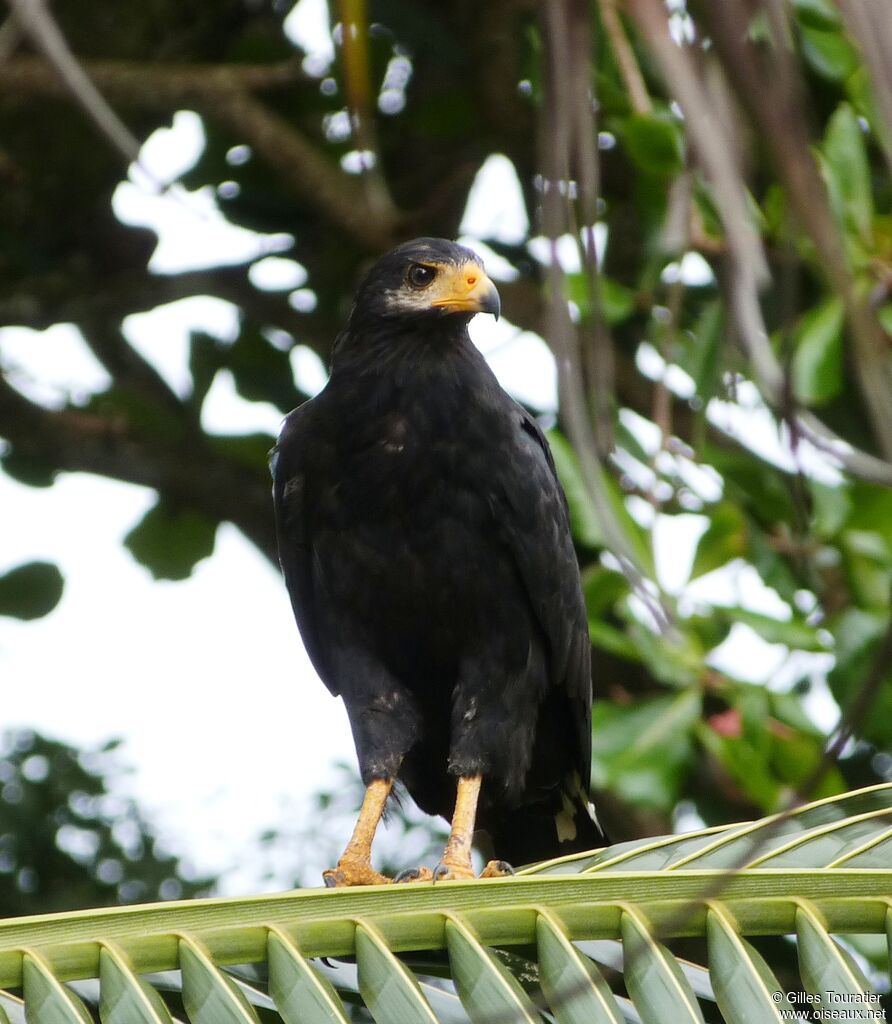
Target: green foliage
[
  {"x": 617, "y": 302},
  {"x": 850, "y": 185},
  {"x": 68, "y": 840},
  {"x": 817, "y": 363},
  {"x": 170, "y": 541},
  {"x": 643, "y": 753},
  {"x": 30, "y": 591},
  {"x": 654, "y": 143},
  {"x": 725, "y": 538}
]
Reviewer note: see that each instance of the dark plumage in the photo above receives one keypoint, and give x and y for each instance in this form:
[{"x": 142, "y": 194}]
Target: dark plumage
[{"x": 425, "y": 544}]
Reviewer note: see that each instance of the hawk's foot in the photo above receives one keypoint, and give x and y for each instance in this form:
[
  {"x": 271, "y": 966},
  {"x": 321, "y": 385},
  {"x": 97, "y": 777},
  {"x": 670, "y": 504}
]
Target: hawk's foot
[{"x": 353, "y": 871}]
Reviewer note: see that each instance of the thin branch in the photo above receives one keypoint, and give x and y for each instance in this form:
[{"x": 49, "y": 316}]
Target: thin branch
[
  {"x": 125, "y": 365},
  {"x": 39, "y": 24},
  {"x": 151, "y": 84},
  {"x": 871, "y": 26},
  {"x": 626, "y": 60},
  {"x": 597, "y": 343},
  {"x": 51, "y": 298}
]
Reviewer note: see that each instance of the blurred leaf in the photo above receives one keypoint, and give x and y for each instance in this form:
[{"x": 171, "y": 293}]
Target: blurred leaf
[
  {"x": 678, "y": 661},
  {"x": 704, "y": 359},
  {"x": 206, "y": 356},
  {"x": 638, "y": 539},
  {"x": 817, "y": 361},
  {"x": 831, "y": 507},
  {"x": 859, "y": 89},
  {"x": 816, "y": 13},
  {"x": 829, "y": 52},
  {"x": 261, "y": 371},
  {"x": 758, "y": 487},
  {"x": 169, "y": 542},
  {"x": 583, "y": 516},
  {"x": 628, "y": 441},
  {"x": 772, "y": 566},
  {"x": 846, "y": 156},
  {"x": 641, "y": 752},
  {"x": 585, "y": 521},
  {"x": 795, "y": 633},
  {"x": 710, "y": 629},
  {"x": 248, "y": 450},
  {"x": 751, "y": 703},
  {"x": 724, "y": 540},
  {"x": 795, "y": 757},
  {"x": 653, "y": 143},
  {"x": 744, "y": 764},
  {"x": 787, "y": 708},
  {"x": 868, "y": 568},
  {"x": 858, "y": 635},
  {"x": 617, "y": 301},
  {"x": 30, "y": 591},
  {"x": 146, "y": 417},
  {"x": 26, "y": 470},
  {"x": 612, "y": 640},
  {"x": 855, "y": 630},
  {"x": 603, "y": 589},
  {"x": 872, "y": 512}
]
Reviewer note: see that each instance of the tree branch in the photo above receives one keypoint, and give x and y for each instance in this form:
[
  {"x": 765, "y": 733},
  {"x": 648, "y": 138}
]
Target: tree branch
[
  {"x": 224, "y": 93},
  {"x": 152, "y": 84},
  {"x": 125, "y": 365},
  {"x": 187, "y": 470}
]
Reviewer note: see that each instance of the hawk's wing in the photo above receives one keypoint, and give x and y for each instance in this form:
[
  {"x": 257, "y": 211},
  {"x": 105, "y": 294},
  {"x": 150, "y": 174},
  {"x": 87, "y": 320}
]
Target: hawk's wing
[
  {"x": 292, "y": 501},
  {"x": 536, "y": 528}
]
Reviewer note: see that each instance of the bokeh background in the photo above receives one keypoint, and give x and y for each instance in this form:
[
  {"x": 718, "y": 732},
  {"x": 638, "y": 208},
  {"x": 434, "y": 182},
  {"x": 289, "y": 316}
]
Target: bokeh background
[{"x": 686, "y": 210}]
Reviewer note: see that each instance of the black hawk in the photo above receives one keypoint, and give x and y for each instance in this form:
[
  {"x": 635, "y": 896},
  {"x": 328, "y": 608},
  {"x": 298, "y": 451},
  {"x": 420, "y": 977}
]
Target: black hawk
[{"x": 425, "y": 543}]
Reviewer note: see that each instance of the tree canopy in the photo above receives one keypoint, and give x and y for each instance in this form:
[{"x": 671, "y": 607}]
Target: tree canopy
[
  {"x": 708, "y": 256},
  {"x": 69, "y": 840}
]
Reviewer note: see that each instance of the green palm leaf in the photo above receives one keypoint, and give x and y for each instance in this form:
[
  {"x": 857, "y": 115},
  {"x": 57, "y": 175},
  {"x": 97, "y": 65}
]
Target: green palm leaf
[{"x": 585, "y": 939}]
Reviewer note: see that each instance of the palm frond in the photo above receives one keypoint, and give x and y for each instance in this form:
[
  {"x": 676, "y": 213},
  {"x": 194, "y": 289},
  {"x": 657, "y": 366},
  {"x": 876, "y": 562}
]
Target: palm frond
[{"x": 583, "y": 939}]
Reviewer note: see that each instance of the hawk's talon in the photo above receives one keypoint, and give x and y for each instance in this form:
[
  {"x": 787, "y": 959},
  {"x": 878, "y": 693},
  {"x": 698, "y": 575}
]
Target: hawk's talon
[
  {"x": 497, "y": 869},
  {"x": 414, "y": 875},
  {"x": 447, "y": 871},
  {"x": 350, "y": 871}
]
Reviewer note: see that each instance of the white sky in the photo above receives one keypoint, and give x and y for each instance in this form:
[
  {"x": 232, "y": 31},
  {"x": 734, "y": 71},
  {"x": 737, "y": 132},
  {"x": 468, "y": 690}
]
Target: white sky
[{"x": 224, "y": 722}]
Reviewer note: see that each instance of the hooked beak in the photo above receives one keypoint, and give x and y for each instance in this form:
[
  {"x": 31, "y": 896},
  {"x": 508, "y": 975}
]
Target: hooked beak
[{"x": 467, "y": 289}]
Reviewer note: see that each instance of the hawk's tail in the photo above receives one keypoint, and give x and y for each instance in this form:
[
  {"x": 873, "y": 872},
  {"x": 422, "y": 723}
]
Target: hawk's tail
[{"x": 560, "y": 824}]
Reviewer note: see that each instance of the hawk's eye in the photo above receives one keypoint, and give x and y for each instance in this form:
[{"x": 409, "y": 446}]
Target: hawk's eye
[{"x": 420, "y": 276}]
